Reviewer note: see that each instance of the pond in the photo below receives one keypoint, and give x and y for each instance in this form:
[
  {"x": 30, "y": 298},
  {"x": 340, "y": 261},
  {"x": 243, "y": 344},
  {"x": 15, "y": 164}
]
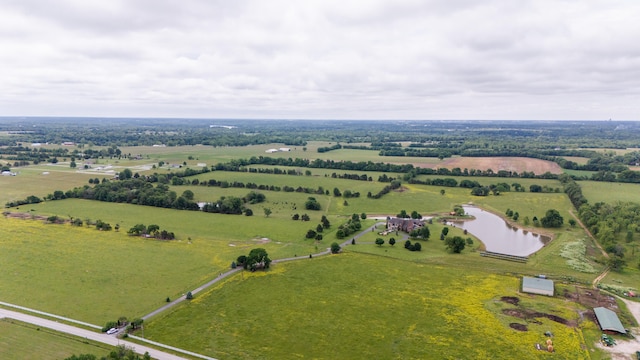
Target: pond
[{"x": 498, "y": 236}]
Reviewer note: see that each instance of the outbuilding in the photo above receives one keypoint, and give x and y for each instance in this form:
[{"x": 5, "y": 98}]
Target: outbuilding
[
  {"x": 537, "y": 286},
  {"x": 608, "y": 320}
]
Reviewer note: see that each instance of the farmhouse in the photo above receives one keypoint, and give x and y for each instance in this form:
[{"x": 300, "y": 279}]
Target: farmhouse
[
  {"x": 608, "y": 320},
  {"x": 406, "y": 225},
  {"x": 537, "y": 286}
]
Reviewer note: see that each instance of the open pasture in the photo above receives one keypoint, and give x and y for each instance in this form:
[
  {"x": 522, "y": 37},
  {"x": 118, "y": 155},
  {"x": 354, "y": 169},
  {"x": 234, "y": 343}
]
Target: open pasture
[
  {"x": 97, "y": 276},
  {"x": 42, "y": 343},
  {"x": 362, "y": 306},
  {"x": 197, "y": 225},
  {"x": 40, "y": 181},
  {"x": 597, "y": 191}
]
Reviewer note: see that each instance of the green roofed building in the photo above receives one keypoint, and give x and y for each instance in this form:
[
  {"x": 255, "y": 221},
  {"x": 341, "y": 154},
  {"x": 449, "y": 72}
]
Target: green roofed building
[
  {"x": 537, "y": 286},
  {"x": 608, "y": 320}
]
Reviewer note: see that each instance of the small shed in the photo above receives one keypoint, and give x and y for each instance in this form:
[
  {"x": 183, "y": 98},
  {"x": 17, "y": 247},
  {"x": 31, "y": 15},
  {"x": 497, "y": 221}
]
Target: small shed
[
  {"x": 537, "y": 286},
  {"x": 608, "y": 320}
]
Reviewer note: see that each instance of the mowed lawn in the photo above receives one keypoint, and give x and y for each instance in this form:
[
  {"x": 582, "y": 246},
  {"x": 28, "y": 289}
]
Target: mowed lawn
[
  {"x": 355, "y": 306},
  {"x": 95, "y": 276},
  {"x": 42, "y": 343}
]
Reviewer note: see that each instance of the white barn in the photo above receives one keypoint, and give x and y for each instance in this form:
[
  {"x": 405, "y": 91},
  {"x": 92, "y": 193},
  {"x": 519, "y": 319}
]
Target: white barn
[{"x": 537, "y": 286}]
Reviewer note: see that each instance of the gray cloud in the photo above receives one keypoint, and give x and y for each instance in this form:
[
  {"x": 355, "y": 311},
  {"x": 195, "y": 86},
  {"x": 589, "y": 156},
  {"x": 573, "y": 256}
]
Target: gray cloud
[{"x": 463, "y": 59}]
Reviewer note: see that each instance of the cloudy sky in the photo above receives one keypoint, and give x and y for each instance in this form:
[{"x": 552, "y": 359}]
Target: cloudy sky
[{"x": 325, "y": 59}]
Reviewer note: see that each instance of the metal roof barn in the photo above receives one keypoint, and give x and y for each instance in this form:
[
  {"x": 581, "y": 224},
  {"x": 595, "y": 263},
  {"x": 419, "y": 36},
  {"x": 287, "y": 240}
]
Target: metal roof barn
[
  {"x": 537, "y": 286},
  {"x": 608, "y": 320}
]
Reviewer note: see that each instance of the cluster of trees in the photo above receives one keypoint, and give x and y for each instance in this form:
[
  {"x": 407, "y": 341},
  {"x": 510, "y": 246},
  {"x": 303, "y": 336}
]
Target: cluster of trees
[
  {"x": 404, "y": 215},
  {"x": 317, "y": 233},
  {"x": 31, "y": 199},
  {"x": 455, "y": 244},
  {"x": 329, "y": 148},
  {"x": 422, "y": 233},
  {"x": 258, "y": 258},
  {"x": 152, "y": 230},
  {"x": 412, "y": 247},
  {"x": 297, "y": 217},
  {"x": 121, "y": 352},
  {"x": 395, "y": 184},
  {"x": 615, "y": 227},
  {"x": 226, "y": 205},
  {"x": 132, "y": 191},
  {"x": 141, "y": 192},
  {"x": 353, "y": 225},
  {"x": 514, "y": 215},
  {"x": 312, "y": 204},
  {"x": 361, "y": 177}
]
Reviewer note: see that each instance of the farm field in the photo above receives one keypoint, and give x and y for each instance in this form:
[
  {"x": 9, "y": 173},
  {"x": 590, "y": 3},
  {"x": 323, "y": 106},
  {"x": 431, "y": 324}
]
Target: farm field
[
  {"x": 517, "y": 164},
  {"x": 597, "y": 191},
  {"x": 42, "y": 343},
  {"x": 96, "y": 276},
  {"x": 211, "y": 155},
  {"x": 400, "y": 310},
  {"x": 373, "y": 301},
  {"x": 31, "y": 181}
]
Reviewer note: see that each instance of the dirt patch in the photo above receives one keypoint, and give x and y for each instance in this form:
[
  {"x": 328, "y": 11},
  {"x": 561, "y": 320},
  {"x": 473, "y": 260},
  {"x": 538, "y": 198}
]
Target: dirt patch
[
  {"x": 591, "y": 298},
  {"x": 401, "y": 189},
  {"x": 510, "y": 299},
  {"x": 515, "y": 164},
  {"x": 24, "y": 216},
  {"x": 519, "y": 327},
  {"x": 532, "y": 316}
]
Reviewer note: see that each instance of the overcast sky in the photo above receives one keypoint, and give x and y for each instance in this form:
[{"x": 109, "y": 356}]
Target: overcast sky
[{"x": 449, "y": 59}]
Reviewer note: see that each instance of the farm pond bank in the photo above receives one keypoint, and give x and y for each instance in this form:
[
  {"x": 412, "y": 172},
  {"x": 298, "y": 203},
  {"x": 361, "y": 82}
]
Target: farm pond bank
[{"x": 498, "y": 236}]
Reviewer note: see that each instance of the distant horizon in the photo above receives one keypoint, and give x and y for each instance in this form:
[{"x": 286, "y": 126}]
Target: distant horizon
[{"x": 304, "y": 119}]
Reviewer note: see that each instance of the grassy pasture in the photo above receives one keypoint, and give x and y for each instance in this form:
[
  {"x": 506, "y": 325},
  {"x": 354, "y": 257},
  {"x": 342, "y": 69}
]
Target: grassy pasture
[
  {"x": 198, "y": 226},
  {"x": 42, "y": 343},
  {"x": 393, "y": 310},
  {"x": 577, "y": 159},
  {"x": 31, "y": 181},
  {"x": 597, "y": 191},
  {"x": 98, "y": 276}
]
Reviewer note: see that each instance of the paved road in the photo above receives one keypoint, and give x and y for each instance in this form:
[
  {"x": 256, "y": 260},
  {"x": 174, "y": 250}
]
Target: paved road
[{"x": 87, "y": 334}]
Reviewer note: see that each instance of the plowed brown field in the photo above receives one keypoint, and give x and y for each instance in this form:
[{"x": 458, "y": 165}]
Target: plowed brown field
[{"x": 496, "y": 164}]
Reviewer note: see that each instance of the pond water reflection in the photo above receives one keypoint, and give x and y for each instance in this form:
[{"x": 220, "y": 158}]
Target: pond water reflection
[{"x": 498, "y": 236}]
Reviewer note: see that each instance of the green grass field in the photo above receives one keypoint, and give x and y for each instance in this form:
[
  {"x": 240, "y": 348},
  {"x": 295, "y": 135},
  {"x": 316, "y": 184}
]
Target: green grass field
[
  {"x": 597, "y": 191},
  {"x": 42, "y": 343},
  {"x": 96, "y": 276},
  {"x": 361, "y": 306}
]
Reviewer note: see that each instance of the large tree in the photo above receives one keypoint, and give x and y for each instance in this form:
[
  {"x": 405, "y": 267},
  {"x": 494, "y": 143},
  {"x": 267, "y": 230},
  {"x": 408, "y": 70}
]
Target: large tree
[
  {"x": 257, "y": 257},
  {"x": 552, "y": 219},
  {"x": 455, "y": 244},
  {"x": 422, "y": 233}
]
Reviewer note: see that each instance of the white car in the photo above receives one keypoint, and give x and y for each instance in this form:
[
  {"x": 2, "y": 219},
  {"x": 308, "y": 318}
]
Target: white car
[{"x": 112, "y": 331}]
